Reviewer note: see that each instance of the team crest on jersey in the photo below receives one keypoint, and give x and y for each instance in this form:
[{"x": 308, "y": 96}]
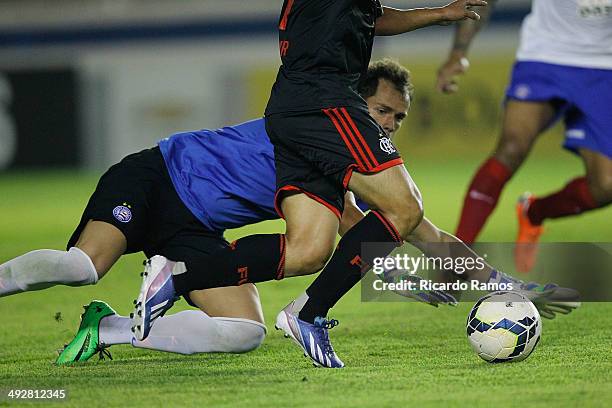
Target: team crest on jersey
[
  {"x": 122, "y": 213},
  {"x": 386, "y": 145}
]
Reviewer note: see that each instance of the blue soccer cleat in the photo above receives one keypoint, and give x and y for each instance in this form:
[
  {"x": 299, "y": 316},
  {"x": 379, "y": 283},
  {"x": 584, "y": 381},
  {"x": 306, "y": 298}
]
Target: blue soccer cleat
[
  {"x": 312, "y": 338},
  {"x": 157, "y": 294}
]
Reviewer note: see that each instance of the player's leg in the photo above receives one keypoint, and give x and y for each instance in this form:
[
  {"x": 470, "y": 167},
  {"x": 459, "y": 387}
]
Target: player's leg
[
  {"x": 588, "y": 133},
  {"x": 339, "y": 143},
  {"x": 114, "y": 222},
  {"x": 310, "y": 235},
  {"x": 599, "y": 176},
  {"x": 374, "y": 171},
  {"x": 594, "y": 190},
  {"x": 230, "y": 320},
  {"x": 305, "y": 318},
  {"x": 312, "y": 224},
  {"x": 587, "y": 122},
  {"x": 522, "y": 123},
  {"x": 303, "y": 249},
  {"x": 393, "y": 194},
  {"x": 396, "y": 211},
  {"x": 233, "y": 302},
  {"x": 98, "y": 247},
  {"x": 574, "y": 198},
  {"x": 180, "y": 239},
  {"x": 103, "y": 243},
  {"x": 44, "y": 268},
  {"x": 532, "y": 103},
  {"x": 312, "y": 220}
]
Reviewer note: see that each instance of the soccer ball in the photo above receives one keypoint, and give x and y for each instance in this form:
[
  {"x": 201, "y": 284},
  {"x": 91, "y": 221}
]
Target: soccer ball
[{"x": 504, "y": 326}]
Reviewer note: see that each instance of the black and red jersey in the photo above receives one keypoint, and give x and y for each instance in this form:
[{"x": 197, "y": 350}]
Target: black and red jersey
[{"x": 325, "y": 47}]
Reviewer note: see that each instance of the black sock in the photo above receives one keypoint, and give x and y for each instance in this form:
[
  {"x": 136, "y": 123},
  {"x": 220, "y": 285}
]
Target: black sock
[
  {"x": 256, "y": 258},
  {"x": 346, "y": 266}
]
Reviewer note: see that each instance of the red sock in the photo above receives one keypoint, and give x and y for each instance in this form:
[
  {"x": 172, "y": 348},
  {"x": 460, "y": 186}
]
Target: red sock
[
  {"x": 573, "y": 199},
  {"x": 481, "y": 198}
]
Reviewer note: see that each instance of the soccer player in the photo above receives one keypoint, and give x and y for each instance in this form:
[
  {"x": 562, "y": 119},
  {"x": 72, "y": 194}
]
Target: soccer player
[
  {"x": 563, "y": 70},
  {"x": 387, "y": 90},
  {"x": 324, "y": 142},
  {"x": 176, "y": 200}
]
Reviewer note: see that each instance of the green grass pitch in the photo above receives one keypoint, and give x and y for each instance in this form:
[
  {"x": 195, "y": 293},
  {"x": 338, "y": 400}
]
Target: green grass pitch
[{"x": 397, "y": 354}]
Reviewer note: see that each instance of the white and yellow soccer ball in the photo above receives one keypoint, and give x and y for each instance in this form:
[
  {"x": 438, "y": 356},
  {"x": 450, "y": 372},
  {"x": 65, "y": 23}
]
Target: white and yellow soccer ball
[{"x": 504, "y": 326}]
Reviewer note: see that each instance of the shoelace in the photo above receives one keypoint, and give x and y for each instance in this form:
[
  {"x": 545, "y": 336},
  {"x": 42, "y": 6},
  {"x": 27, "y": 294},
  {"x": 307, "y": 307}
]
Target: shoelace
[
  {"x": 324, "y": 326},
  {"x": 330, "y": 324},
  {"x": 103, "y": 352}
]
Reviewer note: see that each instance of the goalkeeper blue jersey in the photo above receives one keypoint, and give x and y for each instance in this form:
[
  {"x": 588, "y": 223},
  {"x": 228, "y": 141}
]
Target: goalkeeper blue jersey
[{"x": 226, "y": 177}]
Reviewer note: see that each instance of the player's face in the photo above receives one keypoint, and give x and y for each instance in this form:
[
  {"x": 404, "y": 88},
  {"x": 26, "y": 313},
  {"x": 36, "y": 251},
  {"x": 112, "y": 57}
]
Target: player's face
[{"x": 388, "y": 106}]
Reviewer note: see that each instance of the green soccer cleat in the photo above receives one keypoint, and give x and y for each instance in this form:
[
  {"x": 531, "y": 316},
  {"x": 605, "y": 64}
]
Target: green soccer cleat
[{"x": 86, "y": 342}]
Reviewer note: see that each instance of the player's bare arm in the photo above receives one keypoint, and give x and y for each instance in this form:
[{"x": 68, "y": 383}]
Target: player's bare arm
[
  {"x": 457, "y": 62},
  {"x": 428, "y": 238},
  {"x": 395, "y": 21}
]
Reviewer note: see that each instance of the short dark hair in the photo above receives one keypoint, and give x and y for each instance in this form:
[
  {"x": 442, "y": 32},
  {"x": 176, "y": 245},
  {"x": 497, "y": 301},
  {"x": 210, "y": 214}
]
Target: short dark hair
[{"x": 388, "y": 69}]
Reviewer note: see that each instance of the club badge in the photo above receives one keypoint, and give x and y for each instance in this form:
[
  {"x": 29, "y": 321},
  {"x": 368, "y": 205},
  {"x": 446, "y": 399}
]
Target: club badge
[{"x": 122, "y": 213}]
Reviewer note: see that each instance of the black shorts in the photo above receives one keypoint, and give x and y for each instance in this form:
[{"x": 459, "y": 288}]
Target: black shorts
[
  {"x": 137, "y": 196},
  {"x": 317, "y": 151}
]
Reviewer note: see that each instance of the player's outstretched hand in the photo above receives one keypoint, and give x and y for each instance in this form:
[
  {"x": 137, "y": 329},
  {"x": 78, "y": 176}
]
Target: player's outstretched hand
[
  {"x": 551, "y": 299},
  {"x": 448, "y": 73},
  {"x": 461, "y": 9}
]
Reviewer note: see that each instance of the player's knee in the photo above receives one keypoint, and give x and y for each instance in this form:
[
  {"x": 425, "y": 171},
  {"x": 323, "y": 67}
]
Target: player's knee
[
  {"x": 100, "y": 258},
  {"x": 407, "y": 220},
  {"x": 246, "y": 336},
  {"x": 308, "y": 255},
  {"x": 251, "y": 340},
  {"x": 81, "y": 266},
  {"x": 405, "y": 215},
  {"x": 98, "y": 262},
  {"x": 601, "y": 188},
  {"x": 313, "y": 259},
  {"x": 512, "y": 150},
  {"x": 44, "y": 268}
]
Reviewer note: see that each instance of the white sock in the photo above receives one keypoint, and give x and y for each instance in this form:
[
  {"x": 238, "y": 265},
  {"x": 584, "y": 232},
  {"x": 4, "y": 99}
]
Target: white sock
[
  {"x": 299, "y": 303},
  {"x": 193, "y": 331},
  {"x": 115, "y": 329},
  {"x": 44, "y": 268}
]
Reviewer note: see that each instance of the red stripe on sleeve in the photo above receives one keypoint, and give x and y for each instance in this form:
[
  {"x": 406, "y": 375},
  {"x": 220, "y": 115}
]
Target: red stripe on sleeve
[{"x": 283, "y": 23}]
